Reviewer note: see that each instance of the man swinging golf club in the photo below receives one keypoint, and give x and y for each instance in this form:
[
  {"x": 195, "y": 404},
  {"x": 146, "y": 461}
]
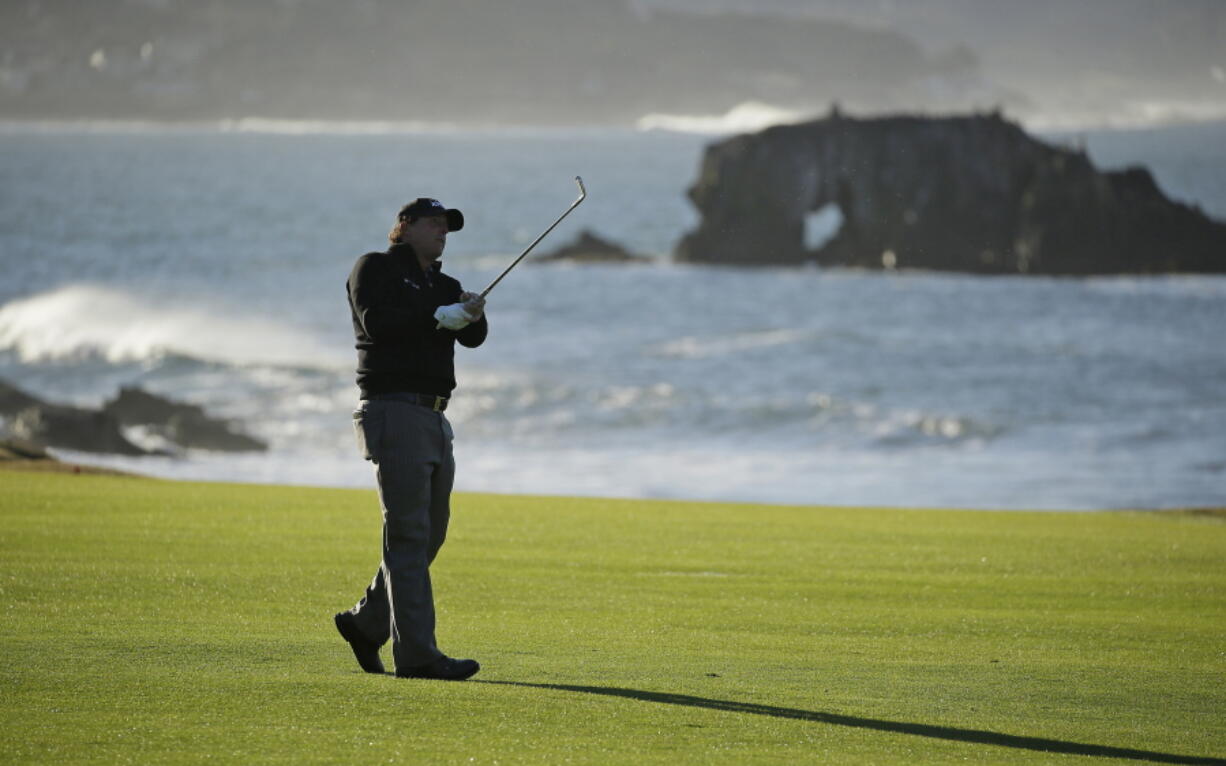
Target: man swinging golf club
[{"x": 407, "y": 316}]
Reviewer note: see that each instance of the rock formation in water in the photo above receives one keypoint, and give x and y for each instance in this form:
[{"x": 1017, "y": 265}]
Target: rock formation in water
[
  {"x": 186, "y": 425},
  {"x": 88, "y": 430},
  {"x": 589, "y": 248},
  {"x": 74, "y": 428},
  {"x": 969, "y": 193}
]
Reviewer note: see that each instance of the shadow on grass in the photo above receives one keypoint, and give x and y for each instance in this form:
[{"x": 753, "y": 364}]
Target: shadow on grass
[{"x": 1038, "y": 744}]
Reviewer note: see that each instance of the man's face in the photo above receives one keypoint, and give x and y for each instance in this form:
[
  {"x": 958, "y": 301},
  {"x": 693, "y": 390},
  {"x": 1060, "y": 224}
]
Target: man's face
[{"x": 427, "y": 236}]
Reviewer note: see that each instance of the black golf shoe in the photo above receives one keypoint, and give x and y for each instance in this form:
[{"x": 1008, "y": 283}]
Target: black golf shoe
[
  {"x": 442, "y": 669},
  {"x": 365, "y": 650}
]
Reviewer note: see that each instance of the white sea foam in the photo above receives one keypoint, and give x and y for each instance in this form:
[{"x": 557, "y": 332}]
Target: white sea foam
[
  {"x": 83, "y": 320},
  {"x": 752, "y": 116},
  {"x": 690, "y": 347},
  {"x": 1128, "y": 115},
  {"x": 745, "y": 117}
]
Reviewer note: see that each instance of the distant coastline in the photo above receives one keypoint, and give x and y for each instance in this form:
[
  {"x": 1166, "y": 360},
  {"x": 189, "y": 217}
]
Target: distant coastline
[{"x": 750, "y": 116}]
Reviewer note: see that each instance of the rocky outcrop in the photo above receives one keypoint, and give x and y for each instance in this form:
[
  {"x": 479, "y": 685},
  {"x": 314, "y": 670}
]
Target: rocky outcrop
[
  {"x": 73, "y": 428},
  {"x": 13, "y": 399},
  {"x": 971, "y": 194},
  {"x": 186, "y": 425},
  {"x": 589, "y": 248},
  {"x": 87, "y": 430},
  {"x": 34, "y": 422}
]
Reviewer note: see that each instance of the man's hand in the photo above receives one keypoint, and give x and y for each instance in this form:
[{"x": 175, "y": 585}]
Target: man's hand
[
  {"x": 457, "y": 315},
  {"x": 452, "y": 316},
  {"x": 474, "y": 304}
]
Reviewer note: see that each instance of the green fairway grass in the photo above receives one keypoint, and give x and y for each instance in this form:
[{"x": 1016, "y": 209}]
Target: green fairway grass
[{"x": 149, "y": 621}]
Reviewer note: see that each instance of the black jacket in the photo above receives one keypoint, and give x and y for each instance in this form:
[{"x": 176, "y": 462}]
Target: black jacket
[{"x": 392, "y": 303}]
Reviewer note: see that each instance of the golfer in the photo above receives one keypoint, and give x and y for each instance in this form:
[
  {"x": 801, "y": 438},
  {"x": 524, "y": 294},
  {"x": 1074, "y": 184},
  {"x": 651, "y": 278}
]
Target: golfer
[{"x": 407, "y": 316}]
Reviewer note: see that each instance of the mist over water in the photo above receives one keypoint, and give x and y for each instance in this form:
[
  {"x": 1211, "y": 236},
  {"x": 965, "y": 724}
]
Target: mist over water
[{"x": 209, "y": 266}]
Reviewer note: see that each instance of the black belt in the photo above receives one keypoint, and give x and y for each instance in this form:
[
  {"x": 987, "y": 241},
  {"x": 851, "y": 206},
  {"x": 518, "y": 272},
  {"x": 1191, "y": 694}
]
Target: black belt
[{"x": 436, "y": 403}]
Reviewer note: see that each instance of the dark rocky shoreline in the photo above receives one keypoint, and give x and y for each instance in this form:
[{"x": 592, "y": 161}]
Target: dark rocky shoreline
[{"x": 38, "y": 424}]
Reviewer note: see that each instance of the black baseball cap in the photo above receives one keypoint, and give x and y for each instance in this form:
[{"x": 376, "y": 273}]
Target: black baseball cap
[{"x": 423, "y": 207}]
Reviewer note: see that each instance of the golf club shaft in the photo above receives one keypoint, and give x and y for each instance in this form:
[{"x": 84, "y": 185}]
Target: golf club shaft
[{"x": 514, "y": 263}]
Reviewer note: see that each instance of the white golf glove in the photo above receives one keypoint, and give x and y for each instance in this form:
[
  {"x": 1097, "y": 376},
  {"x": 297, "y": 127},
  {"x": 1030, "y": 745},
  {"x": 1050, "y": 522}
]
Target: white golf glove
[{"x": 453, "y": 317}]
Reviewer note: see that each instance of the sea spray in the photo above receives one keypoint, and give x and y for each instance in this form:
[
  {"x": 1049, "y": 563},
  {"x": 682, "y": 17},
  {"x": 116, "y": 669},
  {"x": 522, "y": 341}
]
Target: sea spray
[{"x": 88, "y": 320}]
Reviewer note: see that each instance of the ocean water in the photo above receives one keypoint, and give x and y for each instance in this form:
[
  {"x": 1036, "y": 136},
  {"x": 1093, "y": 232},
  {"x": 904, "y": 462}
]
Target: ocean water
[{"x": 208, "y": 264}]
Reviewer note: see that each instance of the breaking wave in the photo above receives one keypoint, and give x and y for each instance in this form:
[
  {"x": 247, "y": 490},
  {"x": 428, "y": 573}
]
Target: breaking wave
[
  {"x": 745, "y": 117},
  {"x": 88, "y": 320}
]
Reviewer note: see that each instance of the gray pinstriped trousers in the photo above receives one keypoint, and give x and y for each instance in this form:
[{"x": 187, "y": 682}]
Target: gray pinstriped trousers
[{"x": 410, "y": 446}]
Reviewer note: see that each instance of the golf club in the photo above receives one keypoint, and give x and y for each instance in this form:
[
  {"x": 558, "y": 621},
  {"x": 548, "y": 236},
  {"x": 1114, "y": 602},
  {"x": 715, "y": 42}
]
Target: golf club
[{"x": 514, "y": 263}]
